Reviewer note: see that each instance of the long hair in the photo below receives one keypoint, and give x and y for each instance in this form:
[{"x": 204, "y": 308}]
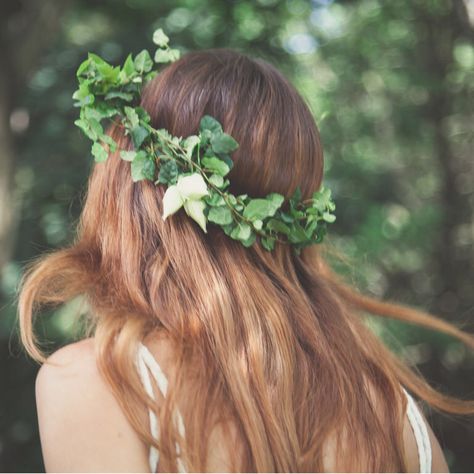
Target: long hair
[{"x": 271, "y": 345}]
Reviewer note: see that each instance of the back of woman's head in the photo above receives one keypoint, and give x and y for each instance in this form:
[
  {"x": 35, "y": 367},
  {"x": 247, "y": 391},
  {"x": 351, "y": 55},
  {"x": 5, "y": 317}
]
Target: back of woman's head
[{"x": 271, "y": 342}]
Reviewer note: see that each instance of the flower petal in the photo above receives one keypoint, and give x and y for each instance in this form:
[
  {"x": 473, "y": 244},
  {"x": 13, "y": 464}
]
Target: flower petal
[
  {"x": 172, "y": 201},
  {"x": 192, "y": 186},
  {"x": 195, "y": 209}
]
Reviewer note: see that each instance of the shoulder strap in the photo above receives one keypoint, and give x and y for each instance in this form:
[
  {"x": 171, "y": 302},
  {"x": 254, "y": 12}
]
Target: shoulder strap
[
  {"x": 147, "y": 363},
  {"x": 421, "y": 433}
]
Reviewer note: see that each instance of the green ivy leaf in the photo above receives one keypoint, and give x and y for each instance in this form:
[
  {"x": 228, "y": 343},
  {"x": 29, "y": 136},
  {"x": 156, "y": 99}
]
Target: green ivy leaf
[
  {"x": 285, "y": 217},
  {"x": 83, "y": 96},
  {"x": 217, "y": 180},
  {"x": 84, "y": 126},
  {"x": 128, "y": 70},
  {"x": 126, "y": 96},
  {"x": 128, "y": 155},
  {"x": 249, "y": 242},
  {"x": 298, "y": 234},
  {"x": 143, "y": 166},
  {"x": 220, "y": 215},
  {"x": 166, "y": 55},
  {"x": 241, "y": 232},
  {"x": 268, "y": 242},
  {"x": 276, "y": 199},
  {"x": 328, "y": 217},
  {"x": 223, "y": 143},
  {"x": 168, "y": 172},
  {"x": 189, "y": 144},
  {"x": 262, "y": 208},
  {"x": 322, "y": 200},
  {"x": 278, "y": 226},
  {"x": 296, "y": 197},
  {"x": 214, "y": 199},
  {"x": 110, "y": 141},
  {"x": 138, "y": 135},
  {"x": 143, "y": 62},
  {"x": 210, "y": 123},
  {"x": 100, "y": 154},
  {"x": 132, "y": 116},
  {"x": 311, "y": 228},
  {"x": 160, "y": 38},
  {"x": 216, "y": 165},
  {"x": 174, "y": 54}
]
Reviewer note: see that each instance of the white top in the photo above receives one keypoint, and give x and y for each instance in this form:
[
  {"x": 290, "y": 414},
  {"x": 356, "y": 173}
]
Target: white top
[{"x": 146, "y": 363}]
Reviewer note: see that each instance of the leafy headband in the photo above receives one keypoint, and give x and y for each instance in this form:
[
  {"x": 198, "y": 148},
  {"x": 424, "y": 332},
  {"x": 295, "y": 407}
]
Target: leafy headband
[{"x": 194, "y": 169}]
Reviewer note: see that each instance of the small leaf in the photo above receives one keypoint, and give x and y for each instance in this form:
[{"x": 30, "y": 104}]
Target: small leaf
[
  {"x": 143, "y": 167},
  {"x": 138, "y": 135},
  {"x": 99, "y": 152},
  {"x": 248, "y": 242},
  {"x": 216, "y": 165},
  {"x": 83, "y": 96},
  {"x": 278, "y": 226},
  {"x": 160, "y": 38},
  {"x": 132, "y": 116},
  {"x": 298, "y": 234},
  {"x": 110, "y": 141},
  {"x": 268, "y": 242},
  {"x": 127, "y": 97},
  {"x": 128, "y": 70},
  {"x": 128, "y": 155},
  {"x": 261, "y": 208},
  {"x": 163, "y": 56},
  {"x": 223, "y": 143},
  {"x": 210, "y": 123},
  {"x": 328, "y": 217},
  {"x": 83, "y": 68},
  {"x": 96, "y": 127},
  {"x": 195, "y": 209},
  {"x": 220, "y": 215},
  {"x": 215, "y": 199},
  {"x": 84, "y": 126},
  {"x": 241, "y": 232},
  {"x": 276, "y": 198},
  {"x": 172, "y": 201},
  {"x": 296, "y": 197},
  {"x": 143, "y": 62},
  {"x": 189, "y": 144},
  {"x": 285, "y": 217},
  {"x": 168, "y": 172},
  {"x": 217, "y": 180},
  {"x": 174, "y": 54}
]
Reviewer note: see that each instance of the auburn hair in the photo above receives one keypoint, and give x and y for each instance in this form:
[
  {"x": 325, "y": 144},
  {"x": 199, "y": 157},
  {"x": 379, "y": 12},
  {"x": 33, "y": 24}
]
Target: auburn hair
[{"x": 274, "y": 344}]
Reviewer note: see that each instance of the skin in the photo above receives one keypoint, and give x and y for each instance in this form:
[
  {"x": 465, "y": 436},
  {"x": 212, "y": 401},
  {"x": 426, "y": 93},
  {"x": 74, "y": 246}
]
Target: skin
[{"x": 83, "y": 429}]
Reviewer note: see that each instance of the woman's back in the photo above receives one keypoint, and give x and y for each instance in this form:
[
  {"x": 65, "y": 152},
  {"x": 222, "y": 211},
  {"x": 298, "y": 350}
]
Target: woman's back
[{"x": 86, "y": 430}]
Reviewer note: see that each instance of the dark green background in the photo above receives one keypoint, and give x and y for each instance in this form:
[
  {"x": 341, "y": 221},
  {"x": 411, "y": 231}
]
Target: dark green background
[{"x": 390, "y": 84}]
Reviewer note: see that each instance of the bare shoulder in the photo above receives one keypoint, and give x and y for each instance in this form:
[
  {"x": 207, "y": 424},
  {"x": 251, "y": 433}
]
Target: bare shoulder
[
  {"x": 82, "y": 427},
  {"x": 438, "y": 463}
]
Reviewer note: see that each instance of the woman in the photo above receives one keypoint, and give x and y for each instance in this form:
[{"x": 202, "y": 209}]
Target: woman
[{"x": 206, "y": 355}]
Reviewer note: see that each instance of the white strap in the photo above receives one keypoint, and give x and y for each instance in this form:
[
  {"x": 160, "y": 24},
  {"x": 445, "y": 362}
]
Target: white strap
[
  {"x": 421, "y": 434},
  {"x": 145, "y": 361}
]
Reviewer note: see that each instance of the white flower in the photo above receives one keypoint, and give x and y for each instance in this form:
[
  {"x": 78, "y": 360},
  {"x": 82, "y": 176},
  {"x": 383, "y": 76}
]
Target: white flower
[{"x": 187, "y": 192}]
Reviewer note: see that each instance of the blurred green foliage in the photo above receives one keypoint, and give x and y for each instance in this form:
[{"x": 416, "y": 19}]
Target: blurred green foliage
[{"x": 391, "y": 87}]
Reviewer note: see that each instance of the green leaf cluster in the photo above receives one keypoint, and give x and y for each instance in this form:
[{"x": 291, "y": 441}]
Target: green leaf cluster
[{"x": 109, "y": 92}]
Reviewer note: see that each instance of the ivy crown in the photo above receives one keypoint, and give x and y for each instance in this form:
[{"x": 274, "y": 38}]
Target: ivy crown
[{"x": 193, "y": 168}]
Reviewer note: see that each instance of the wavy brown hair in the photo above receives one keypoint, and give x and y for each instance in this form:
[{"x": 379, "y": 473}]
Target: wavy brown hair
[{"x": 275, "y": 344}]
